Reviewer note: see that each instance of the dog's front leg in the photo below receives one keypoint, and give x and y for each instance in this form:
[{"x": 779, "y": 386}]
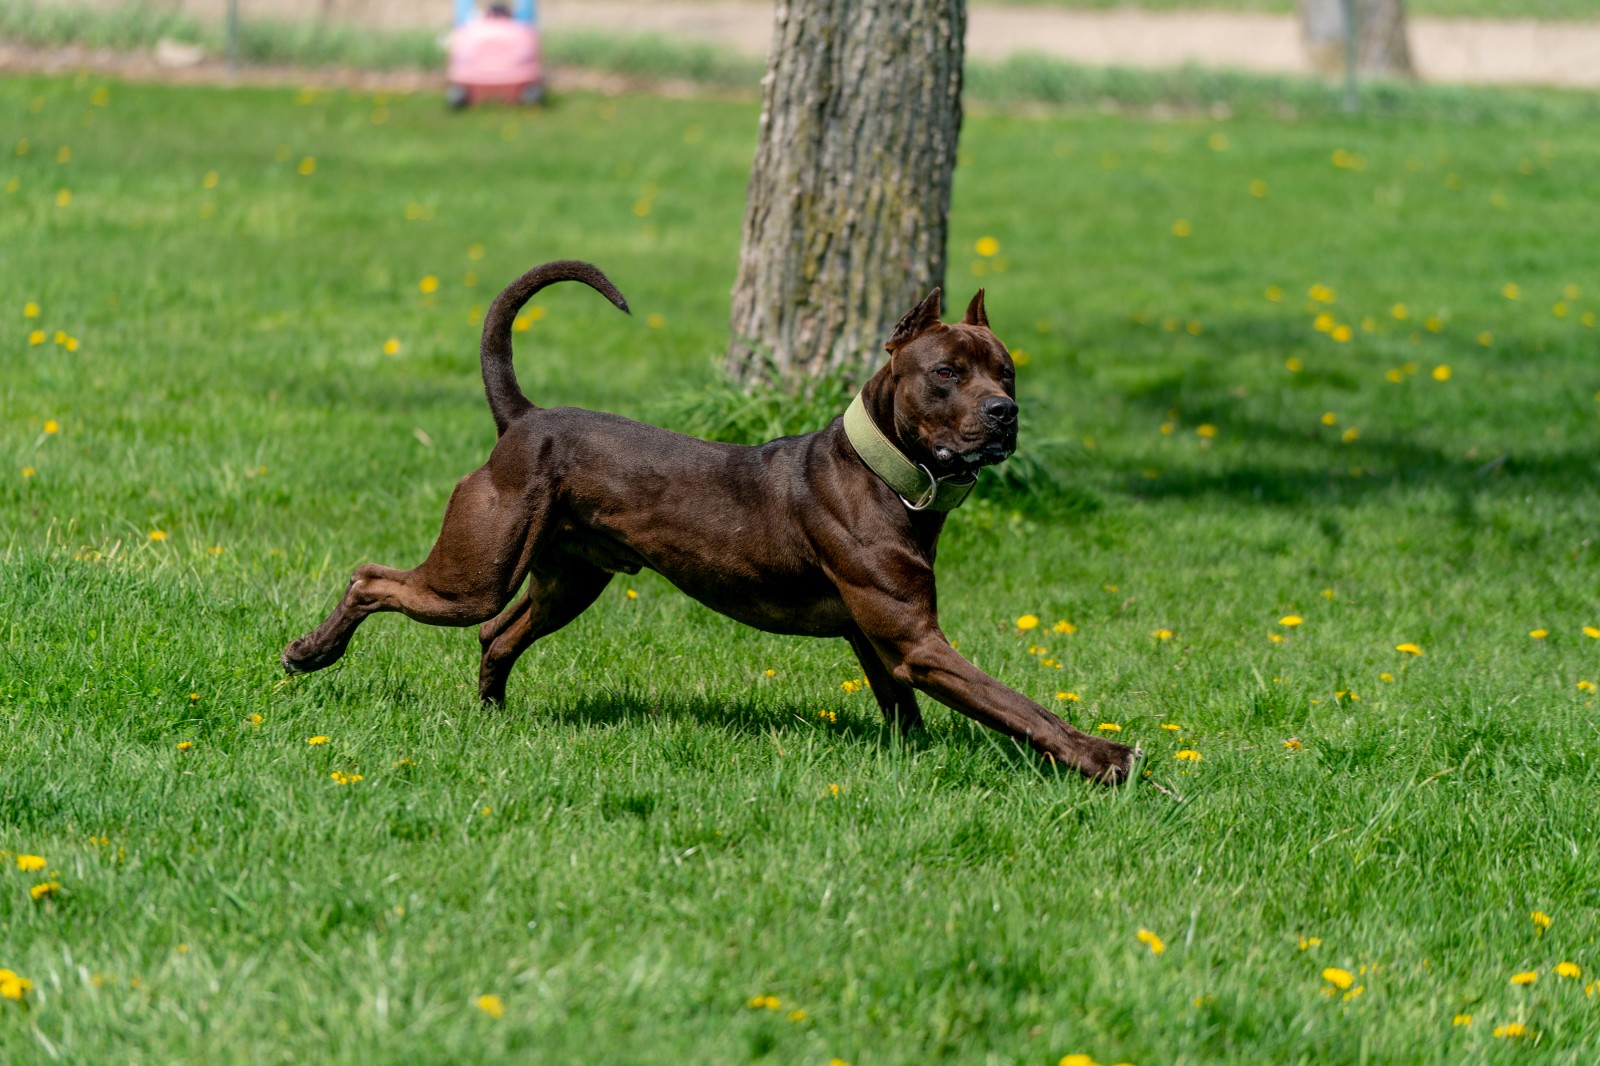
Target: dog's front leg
[
  {"x": 901, "y": 627},
  {"x": 934, "y": 667},
  {"x": 896, "y": 699}
]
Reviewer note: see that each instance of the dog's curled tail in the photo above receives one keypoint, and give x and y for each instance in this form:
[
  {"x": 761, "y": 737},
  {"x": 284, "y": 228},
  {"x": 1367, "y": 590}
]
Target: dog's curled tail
[{"x": 506, "y": 400}]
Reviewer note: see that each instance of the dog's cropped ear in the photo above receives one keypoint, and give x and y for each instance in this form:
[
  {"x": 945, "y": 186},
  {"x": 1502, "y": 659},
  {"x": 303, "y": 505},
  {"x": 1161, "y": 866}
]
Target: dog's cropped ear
[
  {"x": 975, "y": 315},
  {"x": 919, "y": 319}
]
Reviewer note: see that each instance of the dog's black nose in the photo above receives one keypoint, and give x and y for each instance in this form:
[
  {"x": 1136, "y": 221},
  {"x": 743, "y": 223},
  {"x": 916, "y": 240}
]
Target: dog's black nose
[{"x": 999, "y": 410}]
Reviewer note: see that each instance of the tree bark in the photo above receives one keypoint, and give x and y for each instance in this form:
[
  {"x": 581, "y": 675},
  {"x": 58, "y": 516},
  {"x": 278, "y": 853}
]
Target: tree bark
[
  {"x": 1381, "y": 46},
  {"x": 845, "y": 218}
]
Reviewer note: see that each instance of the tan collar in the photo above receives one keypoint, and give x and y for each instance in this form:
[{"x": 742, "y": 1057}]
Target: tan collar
[{"x": 915, "y": 483}]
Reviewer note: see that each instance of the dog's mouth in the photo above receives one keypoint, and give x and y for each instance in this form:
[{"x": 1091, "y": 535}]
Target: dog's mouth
[{"x": 988, "y": 454}]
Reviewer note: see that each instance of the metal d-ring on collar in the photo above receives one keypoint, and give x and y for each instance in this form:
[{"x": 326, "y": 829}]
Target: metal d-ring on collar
[{"x": 916, "y": 485}]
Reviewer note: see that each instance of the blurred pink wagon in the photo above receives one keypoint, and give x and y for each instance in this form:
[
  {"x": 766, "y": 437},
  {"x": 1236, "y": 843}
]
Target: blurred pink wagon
[{"x": 494, "y": 56}]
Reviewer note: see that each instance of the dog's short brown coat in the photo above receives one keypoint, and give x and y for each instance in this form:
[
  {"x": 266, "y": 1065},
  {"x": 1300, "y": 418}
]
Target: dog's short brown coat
[{"x": 794, "y": 536}]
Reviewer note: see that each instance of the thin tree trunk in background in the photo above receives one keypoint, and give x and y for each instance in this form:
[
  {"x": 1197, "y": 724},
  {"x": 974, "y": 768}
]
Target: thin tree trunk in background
[
  {"x": 1381, "y": 46},
  {"x": 845, "y": 217}
]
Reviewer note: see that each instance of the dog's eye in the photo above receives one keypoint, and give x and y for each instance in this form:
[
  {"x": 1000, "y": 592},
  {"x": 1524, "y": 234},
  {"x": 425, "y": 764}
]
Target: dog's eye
[{"x": 944, "y": 372}]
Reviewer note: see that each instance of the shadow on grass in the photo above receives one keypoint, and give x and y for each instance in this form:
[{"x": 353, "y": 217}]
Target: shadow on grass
[
  {"x": 1289, "y": 465},
  {"x": 945, "y": 732}
]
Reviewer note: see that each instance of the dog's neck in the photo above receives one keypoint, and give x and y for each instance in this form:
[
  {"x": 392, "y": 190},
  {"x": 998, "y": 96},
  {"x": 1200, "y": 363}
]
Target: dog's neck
[{"x": 871, "y": 428}]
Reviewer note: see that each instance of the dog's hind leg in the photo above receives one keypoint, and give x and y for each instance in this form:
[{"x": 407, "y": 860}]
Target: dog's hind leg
[
  {"x": 897, "y": 701},
  {"x": 553, "y": 599},
  {"x": 490, "y": 536}
]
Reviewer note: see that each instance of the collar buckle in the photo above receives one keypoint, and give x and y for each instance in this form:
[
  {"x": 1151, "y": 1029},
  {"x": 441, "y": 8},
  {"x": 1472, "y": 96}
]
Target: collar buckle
[{"x": 925, "y": 500}]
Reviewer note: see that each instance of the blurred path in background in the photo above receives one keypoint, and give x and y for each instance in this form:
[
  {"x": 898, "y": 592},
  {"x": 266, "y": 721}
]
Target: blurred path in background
[
  {"x": 1464, "y": 51},
  {"x": 1509, "y": 51}
]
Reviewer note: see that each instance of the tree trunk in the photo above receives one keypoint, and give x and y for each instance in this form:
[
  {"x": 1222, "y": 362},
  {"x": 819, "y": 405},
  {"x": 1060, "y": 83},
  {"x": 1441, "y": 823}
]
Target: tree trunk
[
  {"x": 1381, "y": 47},
  {"x": 845, "y": 218}
]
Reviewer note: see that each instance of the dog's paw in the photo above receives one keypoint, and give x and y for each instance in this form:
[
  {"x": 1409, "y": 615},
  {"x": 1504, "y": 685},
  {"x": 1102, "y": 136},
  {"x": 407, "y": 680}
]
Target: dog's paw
[
  {"x": 1107, "y": 761},
  {"x": 302, "y": 657}
]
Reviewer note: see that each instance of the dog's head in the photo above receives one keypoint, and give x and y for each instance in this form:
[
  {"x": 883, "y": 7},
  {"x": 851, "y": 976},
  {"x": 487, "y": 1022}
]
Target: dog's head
[{"x": 955, "y": 391}]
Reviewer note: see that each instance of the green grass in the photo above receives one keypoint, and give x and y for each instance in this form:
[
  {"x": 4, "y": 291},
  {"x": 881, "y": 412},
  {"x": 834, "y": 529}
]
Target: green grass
[{"x": 648, "y": 836}]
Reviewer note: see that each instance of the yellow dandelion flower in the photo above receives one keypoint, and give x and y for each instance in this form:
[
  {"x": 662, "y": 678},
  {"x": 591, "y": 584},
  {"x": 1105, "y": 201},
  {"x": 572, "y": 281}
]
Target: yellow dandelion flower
[
  {"x": 1569, "y": 970},
  {"x": 764, "y": 1003},
  {"x": 158, "y": 535},
  {"x": 1441, "y": 372},
  {"x": 1259, "y": 189},
  {"x": 307, "y": 166},
  {"x": 1526, "y": 977},
  {"x": 1340, "y": 979},
  {"x": 1206, "y": 430},
  {"x": 1321, "y": 293},
  {"x": 1340, "y": 333},
  {"x": 1586, "y": 686},
  {"x": 1070, "y": 697},
  {"x": 1290, "y": 620},
  {"x": 1394, "y": 377},
  {"x": 44, "y": 888},
  {"x": 1323, "y": 323},
  {"x": 1151, "y": 941},
  {"x": 51, "y": 426},
  {"x": 797, "y": 1016},
  {"x": 1512, "y": 1029},
  {"x": 1167, "y": 428},
  {"x": 1461, "y": 1020},
  {"x": 1330, "y": 418},
  {"x": 1386, "y": 678},
  {"x": 255, "y": 718},
  {"x": 491, "y": 1005},
  {"x": 1294, "y": 365},
  {"x": 1538, "y": 634},
  {"x": 1511, "y": 291},
  {"x": 30, "y": 863},
  {"x": 1400, "y": 312},
  {"x": 428, "y": 284},
  {"x": 1161, "y": 634},
  {"x": 185, "y": 745},
  {"x": 63, "y": 197},
  {"x": 1171, "y": 727},
  {"x": 36, "y": 337},
  {"x": 1182, "y": 228},
  {"x": 1027, "y": 622},
  {"x": 1276, "y": 638},
  {"x": 1592, "y": 632},
  {"x": 28, "y": 471},
  {"x": 1351, "y": 435},
  {"x": 1064, "y": 627},
  {"x": 30, "y": 310},
  {"x": 1109, "y": 727},
  {"x": 1274, "y": 293},
  {"x": 14, "y": 987},
  {"x": 1188, "y": 755},
  {"x": 1077, "y": 1059},
  {"x": 1409, "y": 648},
  {"x": 1354, "y": 992},
  {"x": 1541, "y": 921},
  {"x": 1308, "y": 942},
  {"x": 318, "y": 739},
  {"x": 391, "y": 346},
  {"x": 71, "y": 344},
  {"x": 987, "y": 247},
  {"x": 1293, "y": 744}
]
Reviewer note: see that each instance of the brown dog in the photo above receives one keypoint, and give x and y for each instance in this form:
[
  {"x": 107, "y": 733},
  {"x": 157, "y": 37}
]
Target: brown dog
[{"x": 800, "y": 535}]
